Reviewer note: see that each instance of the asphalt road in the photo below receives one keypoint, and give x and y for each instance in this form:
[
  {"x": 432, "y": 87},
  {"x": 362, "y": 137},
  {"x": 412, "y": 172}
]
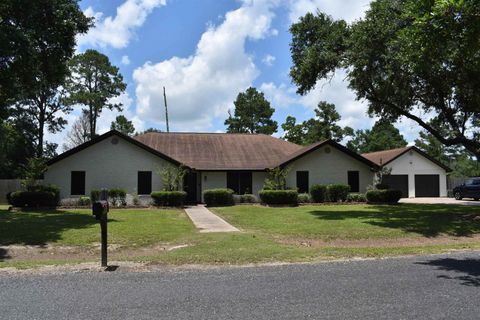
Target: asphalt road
[{"x": 433, "y": 287}]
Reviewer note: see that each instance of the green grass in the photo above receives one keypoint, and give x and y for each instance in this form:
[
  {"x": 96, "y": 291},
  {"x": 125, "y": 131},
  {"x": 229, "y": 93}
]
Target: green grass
[
  {"x": 355, "y": 222},
  {"x": 268, "y": 234},
  {"x": 79, "y": 228}
]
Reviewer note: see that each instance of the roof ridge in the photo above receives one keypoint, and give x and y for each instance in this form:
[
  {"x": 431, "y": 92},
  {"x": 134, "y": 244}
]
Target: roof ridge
[{"x": 402, "y": 148}]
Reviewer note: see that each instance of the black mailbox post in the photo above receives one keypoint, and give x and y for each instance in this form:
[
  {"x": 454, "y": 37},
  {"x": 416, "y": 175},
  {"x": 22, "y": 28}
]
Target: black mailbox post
[{"x": 99, "y": 210}]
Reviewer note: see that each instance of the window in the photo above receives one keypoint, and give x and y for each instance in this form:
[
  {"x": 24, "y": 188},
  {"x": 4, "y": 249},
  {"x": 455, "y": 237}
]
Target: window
[
  {"x": 240, "y": 181},
  {"x": 77, "y": 186},
  {"x": 354, "y": 181},
  {"x": 144, "y": 182},
  {"x": 302, "y": 181}
]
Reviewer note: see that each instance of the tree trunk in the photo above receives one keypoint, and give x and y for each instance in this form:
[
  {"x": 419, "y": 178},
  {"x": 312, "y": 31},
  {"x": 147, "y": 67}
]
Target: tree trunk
[{"x": 41, "y": 127}]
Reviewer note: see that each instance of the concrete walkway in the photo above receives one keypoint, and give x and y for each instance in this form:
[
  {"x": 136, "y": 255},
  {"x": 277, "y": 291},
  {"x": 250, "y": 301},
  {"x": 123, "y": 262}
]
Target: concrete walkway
[
  {"x": 466, "y": 202},
  {"x": 206, "y": 221}
]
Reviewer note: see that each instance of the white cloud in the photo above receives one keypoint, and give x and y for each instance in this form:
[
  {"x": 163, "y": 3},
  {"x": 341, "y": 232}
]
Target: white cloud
[
  {"x": 281, "y": 96},
  {"x": 125, "y": 60},
  {"x": 348, "y": 10},
  {"x": 204, "y": 85},
  {"x": 268, "y": 60},
  {"x": 117, "y": 31}
]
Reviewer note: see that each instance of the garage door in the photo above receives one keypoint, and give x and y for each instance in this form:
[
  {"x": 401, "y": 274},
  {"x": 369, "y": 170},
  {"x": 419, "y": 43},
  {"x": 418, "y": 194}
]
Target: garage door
[
  {"x": 427, "y": 185},
  {"x": 397, "y": 181}
]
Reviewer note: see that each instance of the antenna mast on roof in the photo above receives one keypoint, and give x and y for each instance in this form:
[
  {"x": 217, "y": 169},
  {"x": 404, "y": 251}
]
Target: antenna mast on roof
[{"x": 166, "y": 109}]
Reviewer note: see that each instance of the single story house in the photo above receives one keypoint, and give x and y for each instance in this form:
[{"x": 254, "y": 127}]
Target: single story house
[
  {"x": 215, "y": 160},
  {"x": 413, "y": 172}
]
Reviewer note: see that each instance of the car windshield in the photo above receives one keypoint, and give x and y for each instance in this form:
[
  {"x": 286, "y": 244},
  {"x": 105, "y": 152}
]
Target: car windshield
[{"x": 468, "y": 182}]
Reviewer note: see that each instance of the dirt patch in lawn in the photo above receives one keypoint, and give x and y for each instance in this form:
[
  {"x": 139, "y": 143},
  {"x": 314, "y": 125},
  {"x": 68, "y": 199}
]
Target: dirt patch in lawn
[
  {"x": 376, "y": 243},
  {"x": 35, "y": 253}
]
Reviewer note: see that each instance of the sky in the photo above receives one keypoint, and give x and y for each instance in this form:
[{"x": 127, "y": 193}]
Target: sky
[{"x": 204, "y": 52}]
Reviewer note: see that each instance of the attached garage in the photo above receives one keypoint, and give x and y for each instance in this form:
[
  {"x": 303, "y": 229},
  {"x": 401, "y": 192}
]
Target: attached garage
[
  {"x": 413, "y": 171},
  {"x": 398, "y": 181},
  {"x": 427, "y": 185}
]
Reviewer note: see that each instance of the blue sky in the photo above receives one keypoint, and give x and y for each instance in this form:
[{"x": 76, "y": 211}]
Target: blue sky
[{"x": 205, "y": 52}]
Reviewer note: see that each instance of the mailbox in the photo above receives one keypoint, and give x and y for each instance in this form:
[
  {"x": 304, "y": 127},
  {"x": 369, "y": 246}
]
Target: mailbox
[{"x": 100, "y": 209}]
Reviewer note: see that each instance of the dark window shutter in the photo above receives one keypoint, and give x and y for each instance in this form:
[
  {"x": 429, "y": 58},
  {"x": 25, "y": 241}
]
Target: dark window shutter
[
  {"x": 232, "y": 181},
  {"x": 144, "y": 185},
  {"x": 354, "y": 181},
  {"x": 77, "y": 186},
  {"x": 245, "y": 182},
  {"x": 302, "y": 181}
]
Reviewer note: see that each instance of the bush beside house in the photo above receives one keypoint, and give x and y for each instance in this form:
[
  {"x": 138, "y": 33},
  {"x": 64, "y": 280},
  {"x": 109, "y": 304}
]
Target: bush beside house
[
  {"x": 169, "y": 198},
  {"x": 279, "y": 197},
  {"x": 218, "y": 197},
  {"x": 383, "y": 196}
]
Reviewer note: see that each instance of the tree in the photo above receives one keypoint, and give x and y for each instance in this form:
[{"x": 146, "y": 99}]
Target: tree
[
  {"x": 405, "y": 58},
  {"x": 92, "y": 83},
  {"x": 148, "y": 131},
  {"x": 253, "y": 114},
  {"x": 123, "y": 125},
  {"x": 172, "y": 177},
  {"x": 324, "y": 126},
  {"x": 276, "y": 178},
  {"x": 37, "y": 39},
  {"x": 382, "y": 136},
  {"x": 79, "y": 133}
]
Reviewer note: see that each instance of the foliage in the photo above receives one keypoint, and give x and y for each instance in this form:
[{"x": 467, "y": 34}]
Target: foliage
[
  {"x": 404, "y": 58},
  {"x": 253, "y": 114},
  {"x": 276, "y": 178},
  {"x": 135, "y": 199},
  {"x": 32, "y": 199},
  {"x": 286, "y": 197},
  {"x": 382, "y": 136},
  {"x": 304, "y": 198},
  {"x": 84, "y": 201},
  {"x": 38, "y": 39},
  {"x": 356, "y": 197},
  {"x": 324, "y": 126},
  {"x": 33, "y": 171},
  {"x": 123, "y": 125},
  {"x": 95, "y": 194},
  {"x": 248, "y": 198},
  {"x": 148, "y": 131},
  {"x": 93, "y": 82},
  {"x": 337, "y": 192},
  {"x": 378, "y": 178},
  {"x": 383, "y": 196},
  {"x": 15, "y": 147},
  {"x": 172, "y": 177},
  {"x": 169, "y": 198},
  {"x": 318, "y": 193},
  {"x": 79, "y": 133},
  {"x": 117, "y": 196},
  {"x": 218, "y": 197}
]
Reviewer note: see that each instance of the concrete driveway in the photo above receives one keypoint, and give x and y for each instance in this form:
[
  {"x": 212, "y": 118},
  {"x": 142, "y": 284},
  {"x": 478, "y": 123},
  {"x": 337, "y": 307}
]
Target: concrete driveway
[{"x": 468, "y": 202}]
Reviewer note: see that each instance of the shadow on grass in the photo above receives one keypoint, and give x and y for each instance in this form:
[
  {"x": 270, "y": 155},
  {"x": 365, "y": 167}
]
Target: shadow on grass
[
  {"x": 39, "y": 228},
  {"x": 470, "y": 268},
  {"x": 427, "y": 220}
]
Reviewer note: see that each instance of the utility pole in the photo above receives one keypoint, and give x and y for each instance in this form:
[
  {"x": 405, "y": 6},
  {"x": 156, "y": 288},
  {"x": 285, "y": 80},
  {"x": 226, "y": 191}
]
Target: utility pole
[{"x": 166, "y": 109}]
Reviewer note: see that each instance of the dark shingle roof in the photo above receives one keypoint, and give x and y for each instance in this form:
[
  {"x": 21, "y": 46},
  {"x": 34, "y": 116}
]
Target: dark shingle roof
[{"x": 220, "y": 151}]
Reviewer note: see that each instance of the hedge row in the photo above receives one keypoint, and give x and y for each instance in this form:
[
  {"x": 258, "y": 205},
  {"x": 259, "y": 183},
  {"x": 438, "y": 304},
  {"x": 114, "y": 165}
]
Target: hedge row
[
  {"x": 383, "y": 196},
  {"x": 218, "y": 197},
  {"x": 169, "y": 198},
  {"x": 35, "y": 196},
  {"x": 279, "y": 196},
  {"x": 332, "y": 192}
]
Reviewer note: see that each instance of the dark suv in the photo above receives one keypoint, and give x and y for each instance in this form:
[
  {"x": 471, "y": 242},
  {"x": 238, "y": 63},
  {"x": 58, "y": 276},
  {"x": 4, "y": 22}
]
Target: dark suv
[{"x": 470, "y": 189}]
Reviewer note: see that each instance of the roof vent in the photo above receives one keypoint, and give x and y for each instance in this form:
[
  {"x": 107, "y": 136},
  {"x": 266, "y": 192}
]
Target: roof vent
[{"x": 114, "y": 140}]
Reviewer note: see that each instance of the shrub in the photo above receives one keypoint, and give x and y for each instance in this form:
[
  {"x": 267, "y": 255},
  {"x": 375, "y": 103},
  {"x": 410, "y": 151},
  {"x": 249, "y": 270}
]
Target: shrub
[
  {"x": 337, "y": 192},
  {"x": 318, "y": 193},
  {"x": 117, "y": 196},
  {"x": 8, "y": 196},
  {"x": 303, "y": 198},
  {"x": 248, "y": 198},
  {"x": 84, "y": 201},
  {"x": 51, "y": 188},
  {"x": 95, "y": 195},
  {"x": 169, "y": 198},
  {"x": 382, "y": 186},
  {"x": 33, "y": 199},
  {"x": 383, "y": 196},
  {"x": 279, "y": 196},
  {"x": 356, "y": 197},
  {"x": 218, "y": 197}
]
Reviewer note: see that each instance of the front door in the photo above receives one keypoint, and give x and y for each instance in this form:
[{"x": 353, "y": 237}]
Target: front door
[{"x": 190, "y": 186}]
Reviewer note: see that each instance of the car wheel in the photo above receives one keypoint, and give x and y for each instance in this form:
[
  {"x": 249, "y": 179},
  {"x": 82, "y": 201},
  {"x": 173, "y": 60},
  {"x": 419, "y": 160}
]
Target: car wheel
[{"x": 458, "y": 195}]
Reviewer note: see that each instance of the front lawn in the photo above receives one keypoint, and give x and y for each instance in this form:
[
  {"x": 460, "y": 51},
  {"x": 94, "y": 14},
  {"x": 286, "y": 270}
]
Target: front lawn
[{"x": 305, "y": 233}]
